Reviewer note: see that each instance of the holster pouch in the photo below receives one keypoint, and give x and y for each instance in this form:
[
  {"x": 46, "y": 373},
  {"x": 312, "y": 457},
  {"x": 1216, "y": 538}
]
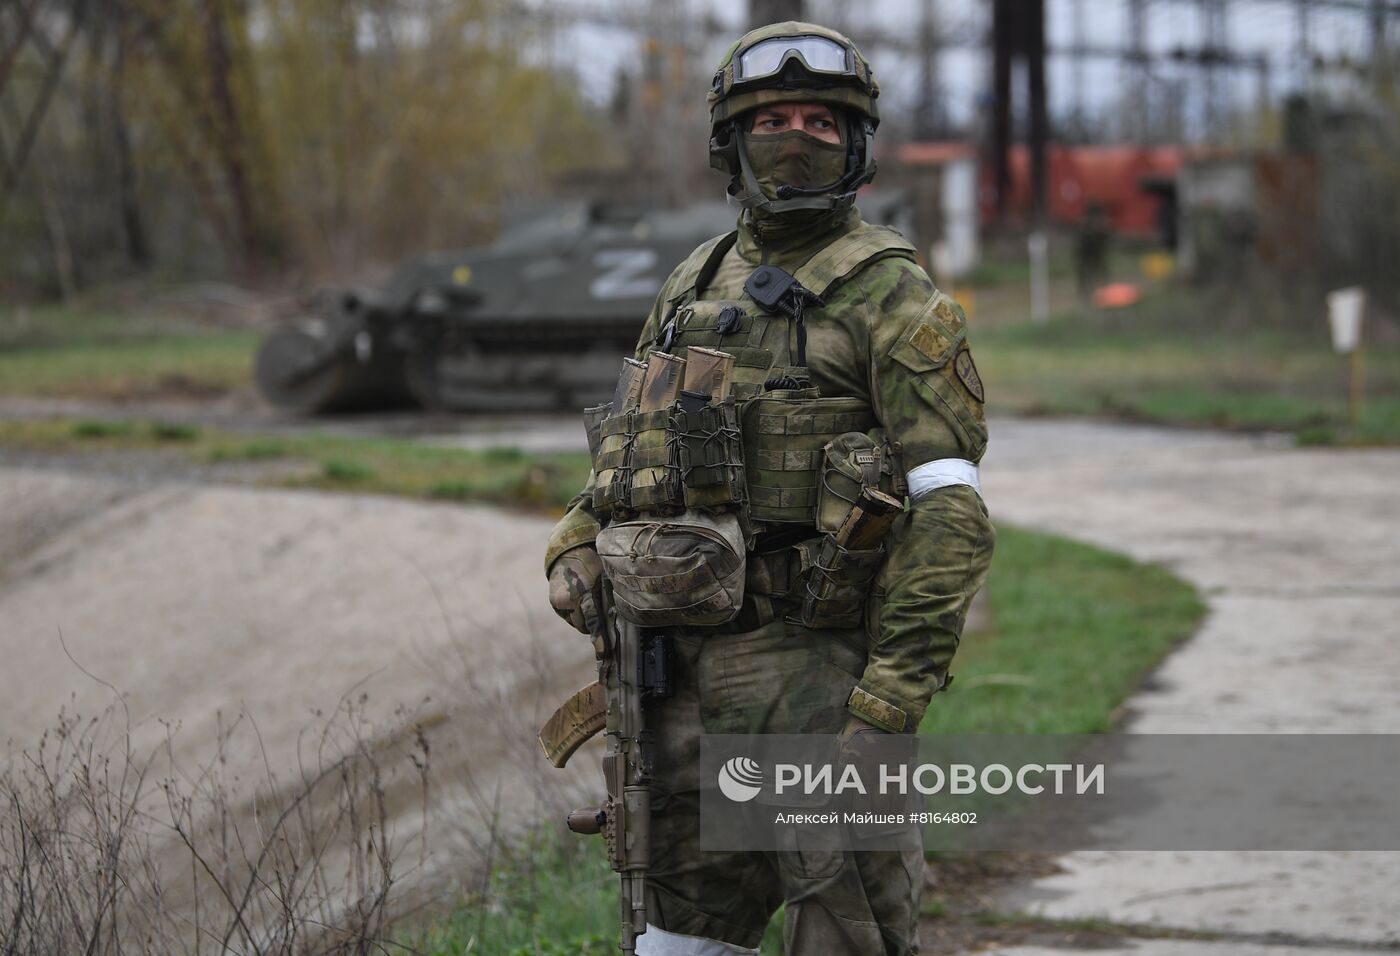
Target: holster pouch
[
  {"x": 836, "y": 580},
  {"x": 686, "y": 569},
  {"x": 835, "y": 575}
]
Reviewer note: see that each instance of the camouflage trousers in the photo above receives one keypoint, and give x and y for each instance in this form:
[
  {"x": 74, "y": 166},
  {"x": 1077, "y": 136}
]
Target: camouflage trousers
[{"x": 786, "y": 679}]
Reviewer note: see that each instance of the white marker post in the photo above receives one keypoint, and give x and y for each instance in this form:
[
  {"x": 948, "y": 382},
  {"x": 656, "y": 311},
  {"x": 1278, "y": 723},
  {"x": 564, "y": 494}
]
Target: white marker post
[
  {"x": 1038, "y": 245},
  {"x": 1345, "y": 311}
]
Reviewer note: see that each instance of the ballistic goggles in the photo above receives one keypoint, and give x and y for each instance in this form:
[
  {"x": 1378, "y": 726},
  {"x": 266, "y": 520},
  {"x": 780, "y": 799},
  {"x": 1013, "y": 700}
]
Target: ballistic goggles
[{"x": 820, "y": 55}]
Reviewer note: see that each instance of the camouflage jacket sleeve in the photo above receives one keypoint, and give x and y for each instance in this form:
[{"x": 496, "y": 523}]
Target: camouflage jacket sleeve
[
  {"x": 580, "y": 525},
  {"x": 928, "y": 396}
]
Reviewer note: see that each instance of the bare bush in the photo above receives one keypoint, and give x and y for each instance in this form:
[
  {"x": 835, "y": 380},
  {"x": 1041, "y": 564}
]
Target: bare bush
[{"x": 104, "y": 850}]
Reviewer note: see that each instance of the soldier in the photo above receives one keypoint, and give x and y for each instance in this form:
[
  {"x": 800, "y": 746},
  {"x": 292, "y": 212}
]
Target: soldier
[
  {"x": 793, "y": 111},
  {"x": 1091, "y": 248}
]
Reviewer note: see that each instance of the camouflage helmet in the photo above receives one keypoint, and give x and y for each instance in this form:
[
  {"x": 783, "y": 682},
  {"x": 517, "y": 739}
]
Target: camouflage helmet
[
  {"x": 793, "y": 62},
  {"x": 796, "y": 71}
]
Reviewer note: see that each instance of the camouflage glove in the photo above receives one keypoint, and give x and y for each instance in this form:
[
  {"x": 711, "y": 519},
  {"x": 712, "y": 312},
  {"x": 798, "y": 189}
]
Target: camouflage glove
[
  {"x": 855, "y": 726},
  {"x": 867, "y": 747},
  {"x": 575, "y": 588},
  {"x": 859, "y": 744}
]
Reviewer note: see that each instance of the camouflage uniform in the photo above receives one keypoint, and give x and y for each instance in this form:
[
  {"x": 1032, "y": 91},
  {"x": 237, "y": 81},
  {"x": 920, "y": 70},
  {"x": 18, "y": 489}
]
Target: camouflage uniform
[{"x": 887, "y": 337}]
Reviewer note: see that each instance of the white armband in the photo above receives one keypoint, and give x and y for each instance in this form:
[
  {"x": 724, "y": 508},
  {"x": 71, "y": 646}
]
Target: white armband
[{"x": 942, "y": 473}]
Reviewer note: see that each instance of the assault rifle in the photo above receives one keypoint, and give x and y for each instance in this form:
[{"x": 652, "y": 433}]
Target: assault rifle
[{"x": 634, "y": 666}]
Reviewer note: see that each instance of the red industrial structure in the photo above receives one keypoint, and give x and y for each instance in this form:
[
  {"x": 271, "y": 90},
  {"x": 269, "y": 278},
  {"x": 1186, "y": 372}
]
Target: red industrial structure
[
  {"x": 1134, "y": 184},
  {"x": 1128, "y": 181}
]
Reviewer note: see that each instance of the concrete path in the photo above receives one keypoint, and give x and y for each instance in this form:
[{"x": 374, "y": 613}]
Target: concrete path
[{"x": 1297, "y": 552}]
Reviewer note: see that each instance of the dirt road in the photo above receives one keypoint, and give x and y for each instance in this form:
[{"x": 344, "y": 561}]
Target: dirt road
[{"x": 201, "y": 602}]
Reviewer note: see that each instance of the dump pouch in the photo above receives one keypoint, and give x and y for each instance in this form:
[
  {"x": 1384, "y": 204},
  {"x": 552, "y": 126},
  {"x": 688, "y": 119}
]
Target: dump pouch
[{"x": 682, "y": 570}]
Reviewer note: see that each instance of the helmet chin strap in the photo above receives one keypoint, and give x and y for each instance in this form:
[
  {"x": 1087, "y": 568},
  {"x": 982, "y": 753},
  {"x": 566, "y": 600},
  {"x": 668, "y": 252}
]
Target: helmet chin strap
[{"x": 745, "y": 190}]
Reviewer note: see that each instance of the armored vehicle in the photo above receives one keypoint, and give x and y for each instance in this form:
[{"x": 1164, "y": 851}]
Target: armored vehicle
[{"x": 537, "y": 320}]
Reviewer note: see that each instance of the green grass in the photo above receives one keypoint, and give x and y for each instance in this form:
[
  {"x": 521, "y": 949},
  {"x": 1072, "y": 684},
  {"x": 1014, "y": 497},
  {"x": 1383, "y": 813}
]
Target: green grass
[
  {"x": 994, "y": 272},
  {"x": 83, "y": 352},
  {"x": 1073, "y": 630},
  {"x": 379, "y": 465},
  {"x": 103, "y": 429},
  {"x": 1089, "y": 925},
  {"x": 1180, "y": 357},
  {"x": 1166, "y": 361},
  {"x": 59, "y": 325},
  {"x": 131, "y": 432},
  {"x": 173, "y": 431},
  {"x": 345, "y": 470},
  {"x": 255, "y": 450},
  {"x": 552, "y": 895},
  {"x": 185, "y": 365}
]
